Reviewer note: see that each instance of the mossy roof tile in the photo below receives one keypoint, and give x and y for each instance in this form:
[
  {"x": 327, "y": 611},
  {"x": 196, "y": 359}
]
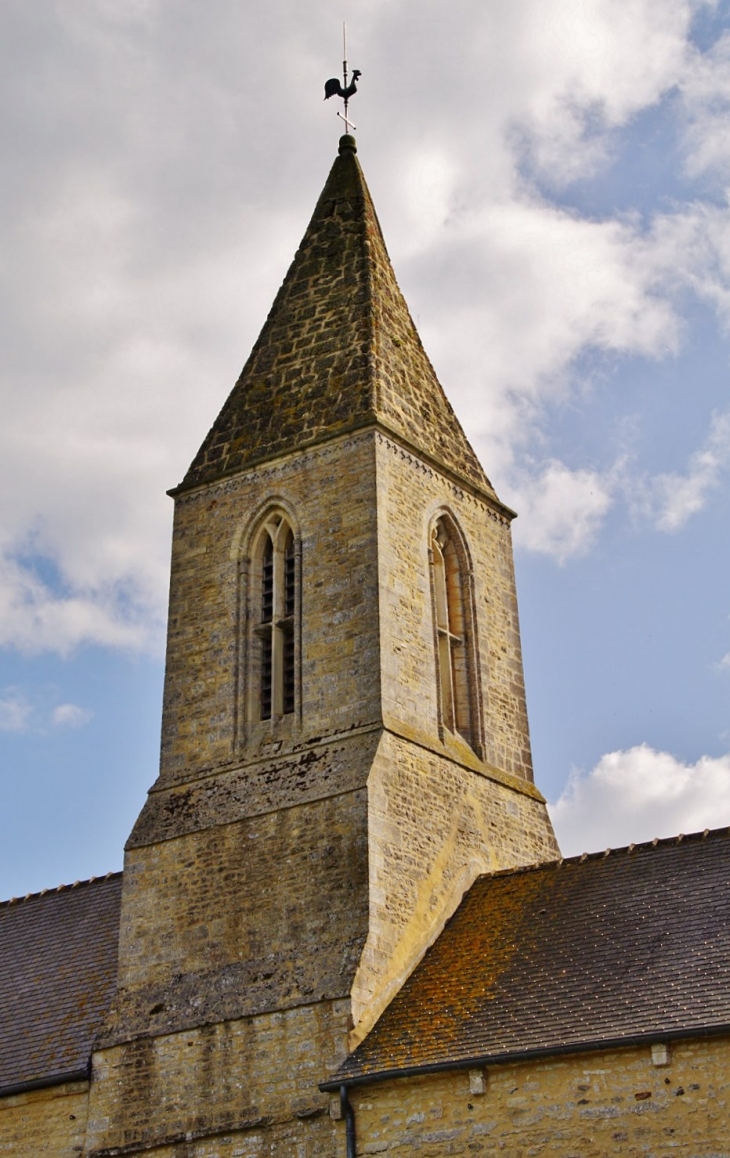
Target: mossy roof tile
[
  {"x": 58, "y": 969},
  {"x": 568, "y": 955}
]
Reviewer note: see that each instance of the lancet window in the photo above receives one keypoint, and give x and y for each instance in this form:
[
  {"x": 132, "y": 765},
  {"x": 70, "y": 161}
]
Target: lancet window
[
  {"x": 454, "y": 634},
  {"x": 275, "y": 617}
]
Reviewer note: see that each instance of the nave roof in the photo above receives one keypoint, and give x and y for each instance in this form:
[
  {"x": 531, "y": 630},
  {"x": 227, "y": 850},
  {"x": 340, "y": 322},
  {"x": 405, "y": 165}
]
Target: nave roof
[{"x": 582, "y": 953}]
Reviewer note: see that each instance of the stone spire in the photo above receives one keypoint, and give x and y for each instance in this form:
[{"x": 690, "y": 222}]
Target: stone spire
[{"x": 338, "y": 352}]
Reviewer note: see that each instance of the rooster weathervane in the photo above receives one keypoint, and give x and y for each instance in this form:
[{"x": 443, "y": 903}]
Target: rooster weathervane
[{"x": 334, "y": 87}]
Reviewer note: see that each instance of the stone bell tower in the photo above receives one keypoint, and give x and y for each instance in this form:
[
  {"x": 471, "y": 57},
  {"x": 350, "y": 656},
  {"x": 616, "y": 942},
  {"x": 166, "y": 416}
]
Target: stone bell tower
[{"x": 345, "y": 741}]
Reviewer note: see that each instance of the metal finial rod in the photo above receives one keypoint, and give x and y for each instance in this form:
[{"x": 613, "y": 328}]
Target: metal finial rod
[
  {"x": 344, "y": 55},
  {"x": 344, "y": 73},
  {"x": 346, "y": 89}
]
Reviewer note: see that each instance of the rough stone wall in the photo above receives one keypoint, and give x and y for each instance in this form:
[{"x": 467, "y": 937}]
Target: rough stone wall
[
  {"x": 51, "y": 1121},
  {"x": 433, "y": 826},
  {"x": 439, "y": 814},
  {"x": 235, "y": 919},
  {"x": 246, "y": 884},
  {"x": 245, "y": 881},
  {"x": 579, "y": 1106},
  {"x": 246, "y": 1087},
  {"x": 309, "y": 771},
  {"x": 311, "y": 1136},
  {"x": 367, "y": 626},
  {"x": 330, "y": 493},
  {"x": 268, "y": 852},
  {"x": 246, "y": 875},
  {"x": 407, "y": 484}
]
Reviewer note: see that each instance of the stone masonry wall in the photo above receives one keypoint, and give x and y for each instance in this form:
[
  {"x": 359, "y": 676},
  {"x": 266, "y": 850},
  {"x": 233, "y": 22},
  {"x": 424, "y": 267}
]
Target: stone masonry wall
[
  {"x": 438, "y": 813},
  {"x": 406, "y": 484},
  {"x": 330, "y": 495},
  {"x": 366, "y": 626},
  {"x": 580, "y": 1106},
  {"x": 45, "y": 1122},
  {"x": 433, "y": 827},
  {"x": 262, "y": 914},
  {"x": 245, "y": 881},
  {"x": 269, "y": 852},
  {"x": 246, "y": 1087},
  {"x": 308, "y": 772}
]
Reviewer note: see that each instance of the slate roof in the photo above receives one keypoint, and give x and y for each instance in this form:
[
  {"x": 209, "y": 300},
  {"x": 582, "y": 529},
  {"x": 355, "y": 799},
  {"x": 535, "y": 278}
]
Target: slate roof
[
  {"x": 572, "y": 954},
  {"x": 338, "y": 351},
  {"x": 58, "y": 968}
]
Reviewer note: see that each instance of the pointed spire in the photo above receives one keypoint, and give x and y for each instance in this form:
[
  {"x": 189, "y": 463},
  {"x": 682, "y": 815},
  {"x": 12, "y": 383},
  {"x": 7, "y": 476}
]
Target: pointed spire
[{"x": 338, "y": 352}]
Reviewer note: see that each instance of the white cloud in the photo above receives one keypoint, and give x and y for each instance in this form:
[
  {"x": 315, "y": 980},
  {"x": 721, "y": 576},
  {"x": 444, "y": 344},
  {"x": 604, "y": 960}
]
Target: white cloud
[
  {"x": 71, "y": 715},
  {"x": 515, "y": 292},
  {"x": 594, "y": 64},
  {"x": 689, "y": 249},
  {"x": 670, "y": 499},
  {"x": 15, "y": 713},
  {"x": 705, "y": 87},
  {"x": 561, "y": 511},
  {"x": 139, "y": 266},
  {"x": 535, "y": 284},
  {"x": 638, "y": 794},
  {"x": 35, "y": 618}
]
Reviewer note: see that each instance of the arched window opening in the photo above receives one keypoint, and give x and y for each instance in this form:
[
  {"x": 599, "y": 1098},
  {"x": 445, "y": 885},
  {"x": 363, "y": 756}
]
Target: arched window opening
[
  {"x": 277, "y": 612},
  {"x": 454, "y": 663}
]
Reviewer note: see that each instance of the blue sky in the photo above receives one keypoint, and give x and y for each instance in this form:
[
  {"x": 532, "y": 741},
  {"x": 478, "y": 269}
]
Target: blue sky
[{"x": 552, "y": 178}]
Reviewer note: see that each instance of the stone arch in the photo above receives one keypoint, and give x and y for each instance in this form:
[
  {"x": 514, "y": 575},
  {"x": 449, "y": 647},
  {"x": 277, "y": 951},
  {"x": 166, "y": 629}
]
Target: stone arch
[
  {"x": 459, "y": 701},
  {"x": 268, "y": 551}
]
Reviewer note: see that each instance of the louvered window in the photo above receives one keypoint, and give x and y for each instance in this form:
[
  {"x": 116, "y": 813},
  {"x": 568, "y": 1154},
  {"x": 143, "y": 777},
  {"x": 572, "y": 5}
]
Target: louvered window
[
  {"x": 277, "y": 612},
  {"x": 288, "y": 682}
]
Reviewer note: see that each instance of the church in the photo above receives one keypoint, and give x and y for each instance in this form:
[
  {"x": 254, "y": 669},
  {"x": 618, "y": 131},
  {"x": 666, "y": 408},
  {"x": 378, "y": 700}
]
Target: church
[{"x": 344, "y": 926}]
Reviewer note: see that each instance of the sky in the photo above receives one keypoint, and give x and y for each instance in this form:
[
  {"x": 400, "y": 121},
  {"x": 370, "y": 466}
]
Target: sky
[{"x": 552, "y": 180}]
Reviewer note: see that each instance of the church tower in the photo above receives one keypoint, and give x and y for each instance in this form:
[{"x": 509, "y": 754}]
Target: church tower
[{"x": 345, "y": 742}]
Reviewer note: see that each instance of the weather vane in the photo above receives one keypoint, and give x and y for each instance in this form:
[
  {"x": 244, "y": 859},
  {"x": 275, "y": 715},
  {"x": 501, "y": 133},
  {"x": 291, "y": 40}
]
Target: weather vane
[{"x": 334, "y": 88}]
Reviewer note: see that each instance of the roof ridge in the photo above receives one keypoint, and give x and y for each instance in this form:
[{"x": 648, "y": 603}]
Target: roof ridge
[
  {"x": 60, "y": 889},
  {"x": 601, "y": 854}
]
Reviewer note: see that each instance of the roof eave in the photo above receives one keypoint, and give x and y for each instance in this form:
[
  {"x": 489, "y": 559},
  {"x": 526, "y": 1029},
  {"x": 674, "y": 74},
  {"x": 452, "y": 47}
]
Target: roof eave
[
  {"x": 60, "y": 1079},
  {"x": 480, "y": 1061},
  {"x": 488, "y": 495}
]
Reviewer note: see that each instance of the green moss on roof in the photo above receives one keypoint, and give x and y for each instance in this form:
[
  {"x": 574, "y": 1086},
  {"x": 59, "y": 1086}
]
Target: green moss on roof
[{"x": 568, "y": 955}]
